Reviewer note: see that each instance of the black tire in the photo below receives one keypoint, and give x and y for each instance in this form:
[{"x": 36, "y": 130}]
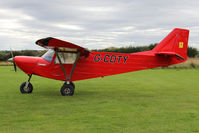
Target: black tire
[
  {"x": 67, "y": 90},
  {"x": 73, "y": 85},
  {"x": 29, "y": 89}
]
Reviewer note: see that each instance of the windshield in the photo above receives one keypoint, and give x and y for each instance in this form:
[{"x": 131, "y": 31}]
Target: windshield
[{"x": 48, "y": 56}]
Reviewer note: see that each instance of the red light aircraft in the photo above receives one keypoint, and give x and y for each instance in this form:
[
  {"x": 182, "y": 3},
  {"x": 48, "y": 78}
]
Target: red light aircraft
[{"x": 69, "y": 62}]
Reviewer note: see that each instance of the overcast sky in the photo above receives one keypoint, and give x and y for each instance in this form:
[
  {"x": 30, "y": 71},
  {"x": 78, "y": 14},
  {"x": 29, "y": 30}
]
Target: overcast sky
[{"x": 95, "y": 23}]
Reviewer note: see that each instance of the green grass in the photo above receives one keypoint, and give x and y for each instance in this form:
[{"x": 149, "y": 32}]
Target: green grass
[{"x": 151, "y": 101}]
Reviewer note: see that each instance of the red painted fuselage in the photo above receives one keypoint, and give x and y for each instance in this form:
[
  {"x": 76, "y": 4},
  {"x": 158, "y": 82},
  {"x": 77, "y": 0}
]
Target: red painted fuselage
[{"x": 97, "y": 64}]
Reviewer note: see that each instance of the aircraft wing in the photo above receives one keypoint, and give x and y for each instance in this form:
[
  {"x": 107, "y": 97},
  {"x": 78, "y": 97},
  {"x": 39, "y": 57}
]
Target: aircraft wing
[{"x": 54, "y": 43}]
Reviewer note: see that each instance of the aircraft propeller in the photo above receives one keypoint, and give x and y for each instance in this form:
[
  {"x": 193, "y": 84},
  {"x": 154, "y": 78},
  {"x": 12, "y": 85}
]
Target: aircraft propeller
[{"x": 12, "y": 60}]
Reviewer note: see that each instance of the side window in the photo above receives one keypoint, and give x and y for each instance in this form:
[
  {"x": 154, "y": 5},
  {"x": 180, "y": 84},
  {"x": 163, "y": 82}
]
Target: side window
[
  {"x": 66, "y": 58},
  {"x": 48, "y": 55}
]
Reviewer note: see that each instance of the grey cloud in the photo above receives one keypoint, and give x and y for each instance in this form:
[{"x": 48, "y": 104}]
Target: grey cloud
[{"x": 95, "y": 23}]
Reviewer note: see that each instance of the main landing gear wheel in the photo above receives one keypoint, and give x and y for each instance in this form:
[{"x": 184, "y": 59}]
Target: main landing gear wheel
[
  {"x": 71, "y": 83},
  {"x": 26, "y": 89},
  {"x": 67, "y": 89}
]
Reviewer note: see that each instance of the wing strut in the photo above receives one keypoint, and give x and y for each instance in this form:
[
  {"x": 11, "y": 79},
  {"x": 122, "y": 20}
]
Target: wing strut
[{"x": 74, "y": 65}]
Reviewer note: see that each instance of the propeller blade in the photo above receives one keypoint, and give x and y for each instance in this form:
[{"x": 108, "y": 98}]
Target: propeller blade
[
  {"x": 15, "y": 67},
  {"x": 13, "y": 60}
]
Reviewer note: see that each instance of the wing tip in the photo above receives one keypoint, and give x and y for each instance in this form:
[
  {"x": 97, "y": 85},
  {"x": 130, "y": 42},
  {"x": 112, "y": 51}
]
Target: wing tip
[{"x": 44, "y": 41}]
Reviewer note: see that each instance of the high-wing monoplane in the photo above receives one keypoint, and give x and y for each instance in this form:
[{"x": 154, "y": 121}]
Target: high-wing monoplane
[{"x": 69, "y": 62}]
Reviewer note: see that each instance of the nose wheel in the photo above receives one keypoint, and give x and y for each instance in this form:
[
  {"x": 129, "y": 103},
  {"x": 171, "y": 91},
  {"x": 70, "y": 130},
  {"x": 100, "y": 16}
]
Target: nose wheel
[
  {"x": 26, "y": 87},
  {"x": 67, "y": 89}
]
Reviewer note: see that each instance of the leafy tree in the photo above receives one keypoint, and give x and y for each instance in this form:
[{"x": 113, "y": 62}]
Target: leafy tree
[
  {"x": 3, "y": 56},
  {"x": 29, "y": 53},
  {"x": 151, "y": 46},
  {"x": 192, "y": 52}
]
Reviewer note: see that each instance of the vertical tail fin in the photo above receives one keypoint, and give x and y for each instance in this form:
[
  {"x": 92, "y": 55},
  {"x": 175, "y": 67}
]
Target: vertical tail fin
[{"x": 175, "y": 43}]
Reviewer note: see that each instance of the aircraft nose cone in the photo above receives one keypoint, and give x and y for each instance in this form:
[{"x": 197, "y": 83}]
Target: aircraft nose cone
[
  {"x": 10, "y": 60},
  {"x": 25, "y": 63}
]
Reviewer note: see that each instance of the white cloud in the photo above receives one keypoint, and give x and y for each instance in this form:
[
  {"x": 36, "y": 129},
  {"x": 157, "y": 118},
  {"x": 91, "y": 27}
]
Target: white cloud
[
  {"x": 14, "y": 14},
  {"x": 68, "y": 26}
]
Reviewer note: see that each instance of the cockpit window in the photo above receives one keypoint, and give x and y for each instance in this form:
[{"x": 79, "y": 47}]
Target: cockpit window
[
  {"x": 48, "y": 56},
  {"x": 66, "y": 58}
]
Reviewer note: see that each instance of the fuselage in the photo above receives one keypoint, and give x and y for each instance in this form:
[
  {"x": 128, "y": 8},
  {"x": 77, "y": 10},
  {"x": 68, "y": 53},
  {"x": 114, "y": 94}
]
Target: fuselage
[{"x": 96, "y": 64}]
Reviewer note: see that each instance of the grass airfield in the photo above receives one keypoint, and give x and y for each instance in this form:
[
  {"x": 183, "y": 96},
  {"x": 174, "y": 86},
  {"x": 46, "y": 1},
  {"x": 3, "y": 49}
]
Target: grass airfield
[{"x": 149, "y": 101}]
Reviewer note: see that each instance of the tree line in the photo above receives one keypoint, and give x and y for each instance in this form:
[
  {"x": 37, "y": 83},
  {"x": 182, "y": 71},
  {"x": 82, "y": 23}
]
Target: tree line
[
  {"x": 191, "y": 52},
  {"x": 5, "y": 55}
]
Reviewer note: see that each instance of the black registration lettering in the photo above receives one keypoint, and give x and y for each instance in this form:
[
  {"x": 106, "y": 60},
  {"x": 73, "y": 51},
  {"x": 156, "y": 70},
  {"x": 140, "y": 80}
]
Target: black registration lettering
[
  {"x": 97, "y": 58},
  {"x": 106, "y": 58},
  {"x": 125, "y": 58},
  {"x": 110, "y": 58},
  {"x": 113, "y": 59},
  {"x": 119, "y": 57}
]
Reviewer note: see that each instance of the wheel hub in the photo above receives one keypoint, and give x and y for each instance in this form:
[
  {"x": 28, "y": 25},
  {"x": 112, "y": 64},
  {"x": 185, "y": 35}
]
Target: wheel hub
[
  {"x": 26, "y": 89},
  {"x": 67, "y": 90}
]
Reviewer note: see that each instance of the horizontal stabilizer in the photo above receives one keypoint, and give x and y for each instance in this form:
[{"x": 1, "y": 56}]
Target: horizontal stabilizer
[{"x": 170, "y": 54}]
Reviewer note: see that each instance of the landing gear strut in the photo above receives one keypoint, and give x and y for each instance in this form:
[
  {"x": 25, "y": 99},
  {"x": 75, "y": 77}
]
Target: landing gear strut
[
  {"x": 68, "y": 88},
  {"x": 26, "y": 87}
]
